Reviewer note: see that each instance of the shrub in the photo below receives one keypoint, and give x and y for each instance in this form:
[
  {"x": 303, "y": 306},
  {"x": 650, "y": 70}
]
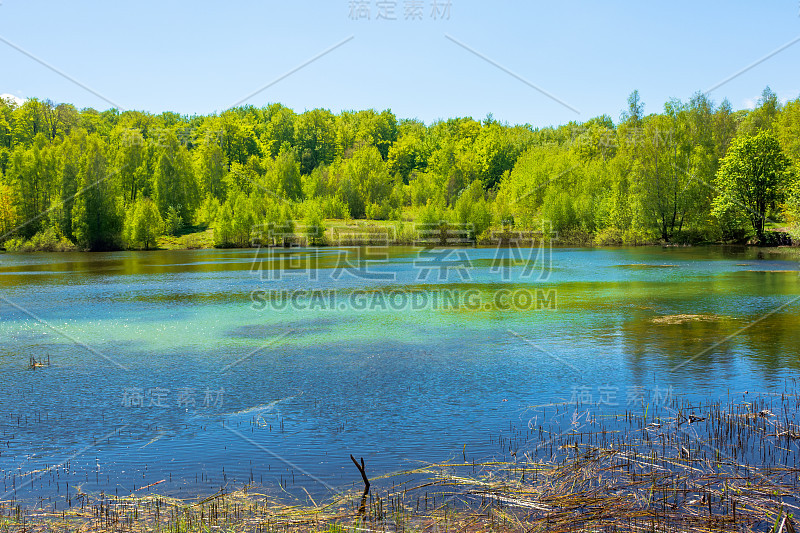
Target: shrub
[
  {"x": 609, "y": 237},
  {"x": 333, "y": 207},
  {"x": 378, "y": 211},
  {"x": 46, "y": 240}
]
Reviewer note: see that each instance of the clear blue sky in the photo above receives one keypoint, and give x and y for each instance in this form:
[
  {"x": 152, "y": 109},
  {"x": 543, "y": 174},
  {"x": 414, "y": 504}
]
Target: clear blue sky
[{"x": 200, "y": 57}]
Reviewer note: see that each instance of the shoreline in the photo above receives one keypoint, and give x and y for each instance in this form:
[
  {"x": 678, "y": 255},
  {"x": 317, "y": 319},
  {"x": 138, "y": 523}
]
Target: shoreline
[
  {"x": 404, "y": 233},
  {"x": 792, "y": 250},
  {"x": 204, "y": 241}
]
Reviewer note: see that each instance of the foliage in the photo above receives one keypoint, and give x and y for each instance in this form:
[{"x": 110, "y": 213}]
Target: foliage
[
  {"x": 678, "y": 175},
  {"x": 96, "y": 221},
  {"x": 314, "y": 223},
  {"x": 47, "y": 240},
  {"x": 791, "y": 209},
  {"x": 472, "y": 211},
  {"x": 752, "y": 177},
  {"x": 143, "y": 224},
  {"x": 334, "y": 207},
  {"x": 173, "y": 222}
]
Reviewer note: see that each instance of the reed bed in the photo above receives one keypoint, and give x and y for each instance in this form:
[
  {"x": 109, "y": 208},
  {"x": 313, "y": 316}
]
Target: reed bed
[{"x": 681, "y": 467}]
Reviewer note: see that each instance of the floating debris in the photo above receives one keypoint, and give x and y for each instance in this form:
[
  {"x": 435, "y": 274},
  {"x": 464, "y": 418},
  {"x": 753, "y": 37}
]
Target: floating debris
[
  {"x": 682, "y": 319},
  {"x": 34, "y": 363}
]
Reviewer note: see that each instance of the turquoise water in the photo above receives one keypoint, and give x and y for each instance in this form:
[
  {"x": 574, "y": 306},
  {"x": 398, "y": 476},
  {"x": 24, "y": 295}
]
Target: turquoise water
[{"x": 167, "y": 364}]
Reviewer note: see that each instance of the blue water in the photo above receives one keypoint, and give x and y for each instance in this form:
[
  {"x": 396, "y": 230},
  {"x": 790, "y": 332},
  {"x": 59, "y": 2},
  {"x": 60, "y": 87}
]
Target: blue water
[{"x": 167, "y": 365}]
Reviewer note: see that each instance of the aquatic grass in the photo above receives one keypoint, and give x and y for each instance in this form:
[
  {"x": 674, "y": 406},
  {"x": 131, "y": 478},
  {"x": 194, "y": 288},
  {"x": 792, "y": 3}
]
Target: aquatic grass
[{"x": 681, "y": 466}]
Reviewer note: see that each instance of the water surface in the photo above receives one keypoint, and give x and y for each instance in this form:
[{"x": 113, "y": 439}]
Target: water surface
[{"x": 163, "y": 367}]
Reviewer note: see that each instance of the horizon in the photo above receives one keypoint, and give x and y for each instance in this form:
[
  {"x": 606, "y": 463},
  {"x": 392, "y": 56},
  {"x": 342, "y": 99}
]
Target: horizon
[{"x": 615, "y": 119}]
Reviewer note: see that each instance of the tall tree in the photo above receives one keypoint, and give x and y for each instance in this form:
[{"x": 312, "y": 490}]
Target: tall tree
[
  {"x": 143, "y": 224},
  {"x": 752, "y": 177},
  {"x": 787, "y": 129},
  {"x": 70, "y": 160},
  {"x": 315, "y": 138},
  {"x": 32, "y": 172},
  {"x": 635, "y": 111},
  {"x": 764, "y": 115},
  {"x": 130, "y": 164},
  {"x": 96, "y": 222},
  {"x": 210, "y": 167},
  {"x": 174, "y": 180}
]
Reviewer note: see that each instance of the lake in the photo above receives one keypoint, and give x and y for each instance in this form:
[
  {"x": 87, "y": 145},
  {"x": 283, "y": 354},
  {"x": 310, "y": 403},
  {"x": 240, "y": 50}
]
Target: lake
[{"x": 217, "y": 368}]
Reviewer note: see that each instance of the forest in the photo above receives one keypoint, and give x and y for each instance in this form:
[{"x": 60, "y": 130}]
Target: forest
[{"x": 695, "y": 172}]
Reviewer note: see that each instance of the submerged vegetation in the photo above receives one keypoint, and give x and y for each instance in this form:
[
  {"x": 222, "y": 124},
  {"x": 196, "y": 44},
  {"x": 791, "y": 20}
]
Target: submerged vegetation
[
  {"x": 675, "y": 465},
  {"x": 695, "y": 172}
]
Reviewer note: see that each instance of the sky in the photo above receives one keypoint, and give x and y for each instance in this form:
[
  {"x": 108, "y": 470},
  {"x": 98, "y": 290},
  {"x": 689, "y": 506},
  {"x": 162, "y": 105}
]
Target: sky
[{"x": 524, "y": 62}]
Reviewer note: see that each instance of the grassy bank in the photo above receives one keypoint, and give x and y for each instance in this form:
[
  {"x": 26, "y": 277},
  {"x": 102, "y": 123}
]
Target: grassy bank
[
  {"x": 407, "y": 233},
  {"x": 193, "y": 238}
]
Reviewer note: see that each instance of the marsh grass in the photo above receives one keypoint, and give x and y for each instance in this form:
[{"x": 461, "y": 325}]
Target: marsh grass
[{"x": 683, "y": 467}]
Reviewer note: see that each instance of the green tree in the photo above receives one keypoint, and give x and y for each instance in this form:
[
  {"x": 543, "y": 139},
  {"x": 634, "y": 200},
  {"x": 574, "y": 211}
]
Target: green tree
[
  {"x": 497, "y": 148},
  {"x": 284, "y": 175},
  {"x": 314, "y": 223},
  {"x": 666, "y": 161},
  {"x": 752, "y": 178},
  {"x": 70, "y": 160},
  {"x": 210, "y": 165},
  {"x": 285, "y": 225},
  {"x": 315, "y": 138},
  {"x": 96, "y": 223},
  {"x": 237, "y": 136},
  {"x": 361, "y": 179},
  {"x": 279, "y": 130},
  {"x": 405, "y": 156},
  {"x": 28, "y": 121},
  {"x": 174, "y": 177},
  {"x": 8, "y": 210},
  {"x": 791, "y": 209},
  {"x": 33, "y": 174},
  {"x": 787, "y": 129},
  {"x": 173, "y": 222},
  {"x": 763, "y": 117},
  {"x": 243, "y": 220},
  {"x": 143, "y": 224},
  {"x": 130, "y": 163},
  {"x": 472, "y": 210},
  {"x": 223, "y": 227},
  {"x": 635, "y": 112}
]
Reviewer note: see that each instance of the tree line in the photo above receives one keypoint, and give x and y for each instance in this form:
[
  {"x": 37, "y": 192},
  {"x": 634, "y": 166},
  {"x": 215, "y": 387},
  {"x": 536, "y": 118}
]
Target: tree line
[{"x": 694, "y": 172}]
